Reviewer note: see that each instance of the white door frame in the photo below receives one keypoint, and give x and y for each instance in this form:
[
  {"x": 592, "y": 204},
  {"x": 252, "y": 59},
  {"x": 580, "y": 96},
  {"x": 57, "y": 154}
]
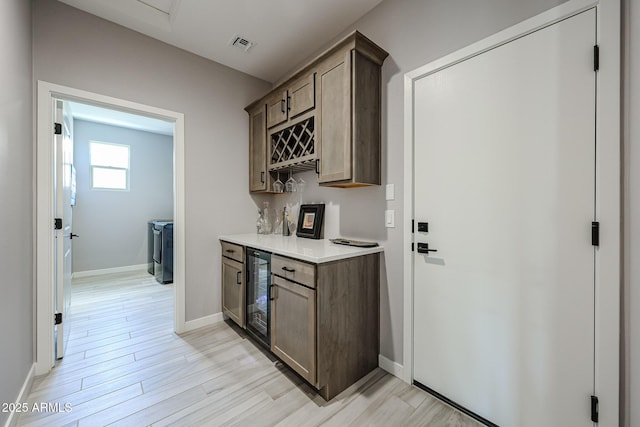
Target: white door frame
[
  {"x": 608, "y": 188},
  {"x": 46, "y": 94}
]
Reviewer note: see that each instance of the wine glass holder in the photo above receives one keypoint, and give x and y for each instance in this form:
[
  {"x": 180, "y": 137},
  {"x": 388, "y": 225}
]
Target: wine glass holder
[{"x": 293, "y": 148}]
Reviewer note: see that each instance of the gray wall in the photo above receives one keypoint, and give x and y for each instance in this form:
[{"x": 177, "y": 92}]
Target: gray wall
[
  {"x": 414, "y": 32},
  {"x": 113, "y": 224},
  {"x": 16, "y": 196},
  {"x": 76, "y": 49}
]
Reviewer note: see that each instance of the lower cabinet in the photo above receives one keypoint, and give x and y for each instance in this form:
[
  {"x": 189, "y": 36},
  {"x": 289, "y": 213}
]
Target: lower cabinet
[
  {"x": 324, "y": 317},
  {"x": 233, "y": 290},
  {"x": 293, "y": 326}
]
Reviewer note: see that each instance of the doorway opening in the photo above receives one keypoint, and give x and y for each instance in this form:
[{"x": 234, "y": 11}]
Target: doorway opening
[
  {"x": 112, "y": 110},
  {"x": 122, "y": 183}
]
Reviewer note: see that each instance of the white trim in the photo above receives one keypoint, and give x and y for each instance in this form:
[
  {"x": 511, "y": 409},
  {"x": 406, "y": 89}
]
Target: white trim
[
  {"x": 209, "y": 320},
  {"x": 22, "y": 397},
  {"x": 608, "y": 188},
  {"x": 126, "y": 268},
  {"x": 608, "y": 212},
  {"x": 407, "y": 268},
  {"x": 394, "y": 368},
  {"x": 46, "y": 93}
]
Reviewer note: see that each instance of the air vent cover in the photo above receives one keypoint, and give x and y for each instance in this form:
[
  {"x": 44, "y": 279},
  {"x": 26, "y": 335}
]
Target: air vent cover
[{"x": 241, "y": 43}]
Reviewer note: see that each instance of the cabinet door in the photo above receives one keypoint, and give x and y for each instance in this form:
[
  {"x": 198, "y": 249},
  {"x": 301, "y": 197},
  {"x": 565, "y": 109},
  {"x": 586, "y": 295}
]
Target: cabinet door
[
  {"x": 258, "y": 174},
  {"x": 302, "y": 95},
  {"x": 277, "y": 109},
  {"x": 259, "y": 179},
  {"x": 233, "y": 290},
  {"x": 293, "y": 326},
  {"x": 334, "y": 118}
]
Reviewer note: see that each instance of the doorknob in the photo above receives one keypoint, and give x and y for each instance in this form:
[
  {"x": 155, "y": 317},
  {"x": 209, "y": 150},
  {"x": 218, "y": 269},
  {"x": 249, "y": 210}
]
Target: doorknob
[
  {"x": 423, "y": 248},
  {"x": 74, "y": 235}
]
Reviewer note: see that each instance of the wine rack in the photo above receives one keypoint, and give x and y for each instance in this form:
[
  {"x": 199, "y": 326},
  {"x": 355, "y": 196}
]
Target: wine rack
[{"x": 293, "y": 148}]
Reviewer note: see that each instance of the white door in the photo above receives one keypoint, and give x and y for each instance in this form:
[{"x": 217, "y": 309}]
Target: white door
[
  {"x": 504, "y": 176},
  {"x": 63, "y": 211}
]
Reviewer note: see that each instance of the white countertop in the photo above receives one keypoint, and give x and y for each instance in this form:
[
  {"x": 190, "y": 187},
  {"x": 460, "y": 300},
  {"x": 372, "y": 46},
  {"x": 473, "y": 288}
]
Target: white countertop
[{"x": 315, "y": 251}]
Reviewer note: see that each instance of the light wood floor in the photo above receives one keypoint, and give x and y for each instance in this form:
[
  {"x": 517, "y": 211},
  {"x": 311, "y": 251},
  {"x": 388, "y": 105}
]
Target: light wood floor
[{"x": 124, "y": 366}]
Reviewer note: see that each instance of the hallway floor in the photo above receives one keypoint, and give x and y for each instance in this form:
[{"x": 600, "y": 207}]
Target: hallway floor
[{"x": 124, "y": 366}]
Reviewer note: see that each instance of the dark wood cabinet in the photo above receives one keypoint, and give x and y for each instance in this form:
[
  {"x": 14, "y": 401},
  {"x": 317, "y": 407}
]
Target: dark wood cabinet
[
  {"x": 259, "y": 178},
  {"x": 293, "y": 326},
  {"x": 233, "y": 283},
  {"x": 349, "y": 152},
  {"x": 327, "y": 115},
  {"x": 324, "y": 320}
]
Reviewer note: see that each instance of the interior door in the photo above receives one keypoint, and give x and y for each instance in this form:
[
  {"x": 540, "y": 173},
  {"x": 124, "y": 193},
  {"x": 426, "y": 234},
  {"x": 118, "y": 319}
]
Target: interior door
[
  {"x": 504, "y": 177},
  {"x": 64, "y": 183}
]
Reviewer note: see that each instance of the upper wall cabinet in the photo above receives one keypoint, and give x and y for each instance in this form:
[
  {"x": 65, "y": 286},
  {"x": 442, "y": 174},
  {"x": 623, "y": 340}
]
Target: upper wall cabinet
[
  {"x": 259, "y": 178},
  {"x": 325, "y": 116},
  {"x": 287, "y": 104}
]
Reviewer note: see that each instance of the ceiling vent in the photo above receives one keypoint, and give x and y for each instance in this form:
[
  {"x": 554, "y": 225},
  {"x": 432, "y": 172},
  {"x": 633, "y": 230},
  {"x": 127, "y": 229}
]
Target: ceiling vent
[{"x": 241, "y": 43}]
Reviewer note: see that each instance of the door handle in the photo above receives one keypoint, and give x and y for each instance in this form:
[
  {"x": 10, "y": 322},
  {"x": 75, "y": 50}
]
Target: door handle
[
  {"x": 262, "y": 177},
  {"x": 271, "y": 298},
  {"x": 238, "y": 282},
  {"x": 74, "y": 235},
  {"x": 423, "y": 248},
  {"x": 288, "y": 103},
  {"x": 282, "y": 106},
  {"x": 318, "y": 166},
  {"x": 289, "y": 270}
]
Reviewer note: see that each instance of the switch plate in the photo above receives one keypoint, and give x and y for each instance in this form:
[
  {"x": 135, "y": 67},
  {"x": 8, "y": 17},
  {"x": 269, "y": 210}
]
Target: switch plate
[
  {"x": 390, "y": 218},
  {"x": 391, "y": 192}
]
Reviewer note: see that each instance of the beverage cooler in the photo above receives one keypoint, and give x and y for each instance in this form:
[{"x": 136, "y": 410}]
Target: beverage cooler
[{"x": 258, "y": 294}]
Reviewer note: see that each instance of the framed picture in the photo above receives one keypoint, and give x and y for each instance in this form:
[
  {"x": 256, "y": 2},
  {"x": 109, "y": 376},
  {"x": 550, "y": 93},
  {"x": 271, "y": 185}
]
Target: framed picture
[{"x": 310, "y": 221}]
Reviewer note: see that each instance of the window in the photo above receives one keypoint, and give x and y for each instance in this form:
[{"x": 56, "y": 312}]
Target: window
[{"x": 109, "y": 166}]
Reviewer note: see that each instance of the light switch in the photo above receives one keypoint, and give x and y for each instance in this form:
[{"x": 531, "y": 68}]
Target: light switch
[
  {"x": 390, "y": 218},
  {"x": 391, "y": 192}
]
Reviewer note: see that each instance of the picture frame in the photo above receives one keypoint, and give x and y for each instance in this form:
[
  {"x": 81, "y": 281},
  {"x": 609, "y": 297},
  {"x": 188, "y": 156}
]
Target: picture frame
[{"x": 310, "y": 221}]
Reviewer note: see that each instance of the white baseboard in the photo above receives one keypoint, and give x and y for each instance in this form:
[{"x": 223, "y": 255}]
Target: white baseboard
[
  {"x": 22, "y": 397},
  {"x": 212, "y": 319},
  {"x": 395, "y": 369},
  {"x": 126, "y": 268}
]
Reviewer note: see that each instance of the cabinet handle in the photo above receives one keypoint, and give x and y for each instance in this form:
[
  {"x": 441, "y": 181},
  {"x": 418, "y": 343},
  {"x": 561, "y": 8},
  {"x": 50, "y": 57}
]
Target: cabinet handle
[
  {"x": 272, "y": 297},
  {"x": 238, "y": 282},
  {"x": 230, "y": 251},
  {"x": 262, "y": 177},
  {"x": 318, "y": 166},
  {"x": 282, "y": 106},
  {"x": 289, "y": 270},
  {"x": 288, "y": 103}
]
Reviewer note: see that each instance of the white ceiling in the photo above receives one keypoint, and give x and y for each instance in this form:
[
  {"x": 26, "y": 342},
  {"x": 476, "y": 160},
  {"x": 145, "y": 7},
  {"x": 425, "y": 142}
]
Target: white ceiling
[
  {"x": 285, "y": 32},
  {"x": 107, "y": 116}
]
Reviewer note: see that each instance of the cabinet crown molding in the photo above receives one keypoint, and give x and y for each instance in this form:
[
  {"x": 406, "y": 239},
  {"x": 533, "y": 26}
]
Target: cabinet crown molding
[{"x": 355, "y": 40}]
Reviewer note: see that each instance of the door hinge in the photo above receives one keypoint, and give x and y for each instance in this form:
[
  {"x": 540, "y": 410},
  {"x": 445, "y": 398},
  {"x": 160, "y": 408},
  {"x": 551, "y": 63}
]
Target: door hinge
[
  {"x": 57, "y": 129},
  {"x": 57, "y": 223},
  {"x": 595, "y": 233},
  {"x": 596, "y": 58},
  {"x": 594, "y": 409},
  {"x": 57, "y": 319}
]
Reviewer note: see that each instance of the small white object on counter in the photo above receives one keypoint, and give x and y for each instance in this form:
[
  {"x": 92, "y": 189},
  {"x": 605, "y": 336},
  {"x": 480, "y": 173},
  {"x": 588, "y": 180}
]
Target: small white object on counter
[{"x": 315, "y": 251}]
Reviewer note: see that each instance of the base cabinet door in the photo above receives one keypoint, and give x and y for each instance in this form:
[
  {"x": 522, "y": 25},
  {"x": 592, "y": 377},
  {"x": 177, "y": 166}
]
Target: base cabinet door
[
  {"x": 293, "y": 326},
  {"x": 233, "y": 290}
]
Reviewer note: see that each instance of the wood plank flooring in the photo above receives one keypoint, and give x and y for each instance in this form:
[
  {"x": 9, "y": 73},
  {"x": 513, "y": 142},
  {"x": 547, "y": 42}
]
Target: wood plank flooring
[{"x": 124, "y": 366}]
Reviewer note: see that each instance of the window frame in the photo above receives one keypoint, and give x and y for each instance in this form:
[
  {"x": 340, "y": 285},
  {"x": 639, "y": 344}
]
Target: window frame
[{"x": 92, "y": 167}]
